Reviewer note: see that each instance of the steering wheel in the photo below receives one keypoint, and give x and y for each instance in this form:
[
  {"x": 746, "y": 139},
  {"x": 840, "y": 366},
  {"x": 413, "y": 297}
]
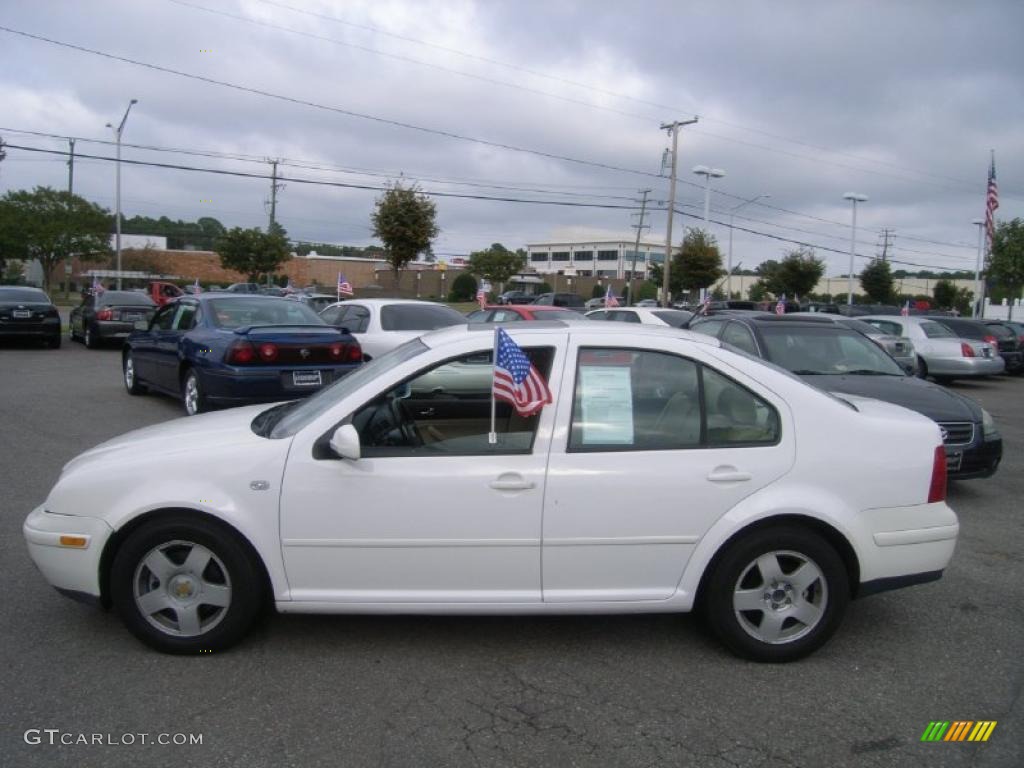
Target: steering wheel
[{"x": 405, "y": 425}]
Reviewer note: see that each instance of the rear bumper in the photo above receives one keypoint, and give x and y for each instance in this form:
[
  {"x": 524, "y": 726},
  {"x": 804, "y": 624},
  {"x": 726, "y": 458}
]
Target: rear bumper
[
  {"x": 901, "y": 546},
  {"x": 46, "y": 328},
  {"x": 237, "y": 386},
  {"x": 965, "y": 366},
  {"x": 114, "y": 329}
]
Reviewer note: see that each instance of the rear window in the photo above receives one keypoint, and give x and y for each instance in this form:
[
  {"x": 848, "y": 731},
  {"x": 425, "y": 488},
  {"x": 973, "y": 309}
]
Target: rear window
[
  {"x": 122, "y": 298},
  {"x": 966, "y": 330},
  {"x": 935, "y": 330},
  {"x": 245, "y": 310},
  {"x": 418, "y": 317},
  {"x": 861, "y": 327},
  {"x": 1000, "y": 331},
  {"x": 23, "y": 294},
  {"x": 675, "y": 317}
]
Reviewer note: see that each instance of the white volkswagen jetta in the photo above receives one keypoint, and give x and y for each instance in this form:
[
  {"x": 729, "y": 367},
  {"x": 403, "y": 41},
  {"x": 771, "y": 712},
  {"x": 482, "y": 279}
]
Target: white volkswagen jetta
[{"x": 666, "y": 473}]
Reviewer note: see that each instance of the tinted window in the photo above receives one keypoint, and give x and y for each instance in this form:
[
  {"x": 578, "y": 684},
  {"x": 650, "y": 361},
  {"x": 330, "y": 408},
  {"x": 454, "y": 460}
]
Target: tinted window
[
  {"x": 1000, "y": 331},
  {"x": 480, "y": 316},
  {"x": 809, "y": 350},
  {"x": 600, "y": 314},
  {"x": 23, "y": 294},
  {"x": 735, "y": 415},
  {"x": 623, "y": 316},
  {"x": 332, "y": 315},
  {"x": 446, "y": 411},
  {"x": 164, "y": 318},
  {"x": 889, "y": 327},
  {"x": 935, "y": 330},
  {"x": 558, "y": 314},
  {"x": 677, "y": 318},
  {"x": 740, "y": 337},
  {"x": 866, "y": 328},
  {"x": 121, "y": 298},
  {"x": 708, "y": 327},
  {"x": 967, "y": 330},
  {"x": 245, "y": 310},
  {"x": 505, "y": 316},
  {"x": 356, "y": 319},
  {"x": 318, "y": 303},
  {"x": 418, "y": 317},
  {"x": 185, "y": 319}
]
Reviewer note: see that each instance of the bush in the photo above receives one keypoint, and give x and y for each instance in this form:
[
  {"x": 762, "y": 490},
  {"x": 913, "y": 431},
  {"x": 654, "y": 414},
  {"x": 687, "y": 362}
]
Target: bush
[
  {"x": 463, "y": 288},
  {"x": 545, "y": 288},
  {"x": 646, "y": 290}
]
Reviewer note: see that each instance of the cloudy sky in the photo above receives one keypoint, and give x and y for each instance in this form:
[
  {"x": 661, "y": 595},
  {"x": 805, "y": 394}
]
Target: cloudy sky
[{"x": 801, "y": 101}]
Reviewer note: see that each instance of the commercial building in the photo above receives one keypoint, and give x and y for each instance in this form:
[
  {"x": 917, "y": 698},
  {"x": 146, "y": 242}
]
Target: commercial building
[{"x": 594, "y": 258}]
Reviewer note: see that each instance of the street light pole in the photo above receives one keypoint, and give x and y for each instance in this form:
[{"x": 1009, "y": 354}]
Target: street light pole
[
  {"x": 978, "y": 306},
  {"x": 672, "y": 128},
  {"x": 117, "y": 220},
  {"x": 854, "y": 198},
  {"x": 732, "y": 212},
  {"x": 708, "y": 174}
]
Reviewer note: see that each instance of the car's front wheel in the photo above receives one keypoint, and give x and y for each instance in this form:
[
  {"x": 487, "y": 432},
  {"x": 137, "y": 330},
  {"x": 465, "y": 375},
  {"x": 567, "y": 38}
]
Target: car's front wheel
[
  {"x": 186, "y": 585},
  {"x": 777, "y": 594},
  {"x": 131, "y": 376},
  {"x": 192, "y": 395}
]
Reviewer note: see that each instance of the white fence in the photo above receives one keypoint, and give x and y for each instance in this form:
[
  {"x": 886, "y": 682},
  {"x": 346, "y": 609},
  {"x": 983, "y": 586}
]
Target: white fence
[{"x": 1002, "y": 311}]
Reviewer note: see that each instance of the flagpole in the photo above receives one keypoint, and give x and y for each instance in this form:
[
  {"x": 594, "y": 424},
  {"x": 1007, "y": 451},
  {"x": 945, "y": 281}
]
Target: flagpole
[{"x": 492, "y": 436}]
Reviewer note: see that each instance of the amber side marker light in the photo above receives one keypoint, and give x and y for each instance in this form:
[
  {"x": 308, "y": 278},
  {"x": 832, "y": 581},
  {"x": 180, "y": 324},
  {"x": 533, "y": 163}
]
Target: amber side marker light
[{"x": 78, "y": 542}]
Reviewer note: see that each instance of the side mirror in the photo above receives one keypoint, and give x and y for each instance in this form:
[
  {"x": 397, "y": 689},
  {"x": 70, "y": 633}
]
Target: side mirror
[
  {"x": 141, "y": 325},
  {"x": 345, "y": 442}
]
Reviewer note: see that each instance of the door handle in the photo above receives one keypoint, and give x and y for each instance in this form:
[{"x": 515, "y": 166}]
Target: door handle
[
  {"x": 728, "y": 474},
  {"x": 511, "y": 481},
  {"x": 426, "y": 412}
]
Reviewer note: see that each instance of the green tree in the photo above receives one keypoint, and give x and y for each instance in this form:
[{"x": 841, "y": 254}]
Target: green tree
[
  {"x": 463, "y": 288},
  {"x": 496, "y": 265},
  {"x": 757, "y": 291},
  {"x": 545, "y": 287},
  {"x": 944, "y": 294},
  {"x": 796, "y": 275},
  {"x": 876, "y": 280},
  {"x": 1006, "y": 263},
  {"x": 404, "y": 220},
  {"x": 697, "y": 264},
  {"x": 52, "y": 226},
  {"x": 252, "y": 252}
]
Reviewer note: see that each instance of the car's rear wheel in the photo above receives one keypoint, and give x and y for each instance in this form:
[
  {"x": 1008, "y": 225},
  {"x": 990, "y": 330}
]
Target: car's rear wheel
[
  {"x": 922, "y": 368},
  {"x": 777, "y": 594},
  {"x": 131, "y": 377},
  {"x": 192, "y": 395},
  {"x": 54, "y": 341},
  {"x": 92, "y": 338},
  {"x": 186, "y": 585}
]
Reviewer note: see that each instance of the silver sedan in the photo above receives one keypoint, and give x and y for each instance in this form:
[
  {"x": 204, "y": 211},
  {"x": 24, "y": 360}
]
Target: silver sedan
[{"x": 940, "y": 352}]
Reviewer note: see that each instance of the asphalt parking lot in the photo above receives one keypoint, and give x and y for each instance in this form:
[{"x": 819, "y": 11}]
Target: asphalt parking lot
[{"x": 414, "y": 691}]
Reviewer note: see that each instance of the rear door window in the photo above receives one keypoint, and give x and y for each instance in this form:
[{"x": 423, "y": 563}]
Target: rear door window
[{"x": 418, "y": 317}]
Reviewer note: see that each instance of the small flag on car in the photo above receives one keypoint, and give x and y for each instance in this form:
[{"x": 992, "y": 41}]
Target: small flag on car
[
  {"x": 344, "y": 286},
  {"x": 481, "y": 294},
  {"x": 609, "y": 298},
  {"x": 97, "y": 287},
  {"x": 906, "y": 308},
  {"x": 705, "y": 306},
  {"x": 196, "y": 288},
  {"x": 516, "y": 380},
  {"x": 780, "y": 306}
]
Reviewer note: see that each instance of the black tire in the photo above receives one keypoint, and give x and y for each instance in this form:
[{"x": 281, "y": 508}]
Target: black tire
[
  {"x": 54, "y": 342},
  {"x": 231, "y": 574},
  {"x": 92, "y": 339},
  {"x": 922, "y": 368},
  {"x": 199, "y": 404},
  {"x": 130, "y": 376},
  {"x": 736, "y": 572},
  {"x": 71, "y": 331}
]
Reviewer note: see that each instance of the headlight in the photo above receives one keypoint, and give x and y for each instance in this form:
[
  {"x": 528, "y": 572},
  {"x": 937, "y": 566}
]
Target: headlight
[{"x": 988, "y": 426}]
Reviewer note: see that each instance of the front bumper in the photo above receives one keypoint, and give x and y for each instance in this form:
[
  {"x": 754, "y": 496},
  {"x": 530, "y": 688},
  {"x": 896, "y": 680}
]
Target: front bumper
[
  {"x": 979, "y": 459},
  {"x": 1014, "y": 360},
  {"x": 901, "y": 546},
  {"x": 70, "y": 569}
]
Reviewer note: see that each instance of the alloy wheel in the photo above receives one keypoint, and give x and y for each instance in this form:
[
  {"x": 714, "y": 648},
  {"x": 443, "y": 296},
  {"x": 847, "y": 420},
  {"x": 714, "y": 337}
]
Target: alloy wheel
[{"x": 780, "y": 597}]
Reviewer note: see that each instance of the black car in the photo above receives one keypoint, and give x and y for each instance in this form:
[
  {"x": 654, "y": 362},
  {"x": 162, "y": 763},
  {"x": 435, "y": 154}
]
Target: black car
[
  {"x": 1000, "y": 336},
  {"x": 106, "y": 315},
  {"x": 841, "y": 360},
  {"x": 569, "y": 300},
  {"x": 28, "y": 313},
  {"x": 515, "y": 297}
]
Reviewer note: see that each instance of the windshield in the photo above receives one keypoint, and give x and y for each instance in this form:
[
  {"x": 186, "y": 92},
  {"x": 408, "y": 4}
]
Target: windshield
[
  {"x": 285, "y": 420},
  {"x": 23, "y": 294},
  {"x": 675, "y": 317},
  {"x": 934, "y": 330},
  {"x": 825, "y": 350},
  {"x": 241, "y": 311},
  {"x": 418, "y": 317}
]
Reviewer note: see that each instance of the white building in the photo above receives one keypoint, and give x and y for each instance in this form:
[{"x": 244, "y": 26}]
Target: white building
[
  {"x": 594, "y": 258},
  {"x": 139, "y": 242}
]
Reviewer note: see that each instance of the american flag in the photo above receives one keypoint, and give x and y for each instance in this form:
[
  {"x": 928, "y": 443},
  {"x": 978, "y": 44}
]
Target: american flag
[
  {"x": 906, "y": 309},
  {"x": 991, "y": 202},
  {"x": 705, "y": 306},
  {"x": 197, "y": 288},
  {"x": 516, "y": 381},
  {"x": 609, "y": 298},
  {"x": 344, "y": 286},
  {"x": 481, "y": 294},
  {"x": 780, "y": 305}
]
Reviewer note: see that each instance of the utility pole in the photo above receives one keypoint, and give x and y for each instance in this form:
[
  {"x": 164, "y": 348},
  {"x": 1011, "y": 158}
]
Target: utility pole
[
  {"x": 886, "y": 233},
  {"x": 71, "y": 167},
  {"x": 673, "y": 129},
  {"x": 274, "y": 186},
  {"x": 640, "y": 227}
]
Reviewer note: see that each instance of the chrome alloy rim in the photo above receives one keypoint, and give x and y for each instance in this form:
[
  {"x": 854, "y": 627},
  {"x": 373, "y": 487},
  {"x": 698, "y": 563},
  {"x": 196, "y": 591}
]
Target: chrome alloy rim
[
  {"x": 780, "y": 597},
  {"x": 191, "y": 395},
  {"x": 129, "y": 372},
  {"x": 182, "y": 588}
]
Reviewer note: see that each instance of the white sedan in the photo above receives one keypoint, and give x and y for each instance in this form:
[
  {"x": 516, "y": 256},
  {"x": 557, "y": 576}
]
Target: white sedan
[
  {"x": 674, "y": 318},
  {"x": 380, "y": 325},
  {"x": 666, "y": 472}
]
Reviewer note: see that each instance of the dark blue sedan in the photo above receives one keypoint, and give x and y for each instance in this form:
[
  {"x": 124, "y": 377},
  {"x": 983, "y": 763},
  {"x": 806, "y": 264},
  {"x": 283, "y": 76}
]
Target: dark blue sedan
[{"x": 221, "y": 349}]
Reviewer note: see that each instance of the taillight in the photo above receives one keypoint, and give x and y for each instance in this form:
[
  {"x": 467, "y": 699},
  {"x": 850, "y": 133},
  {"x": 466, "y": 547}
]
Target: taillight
[
  {"x": 966, "y": 349},
  {"x": 104, "y": 314},
  {"x": 338, "y": 351},
  {"x": 348, "y": 353},
  {"x": 355, "y": 353},
  {"x": 268, "y": 352},
  {"x": 937, "y": 489},
  {"x": 992, "y": 340},
  {"x": 241, "y": 352}
]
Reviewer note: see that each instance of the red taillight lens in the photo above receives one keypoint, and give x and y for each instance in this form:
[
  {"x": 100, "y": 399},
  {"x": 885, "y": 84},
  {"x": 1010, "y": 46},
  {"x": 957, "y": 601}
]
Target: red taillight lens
[
  {"x": 241, "y": 352},
  {"x": 937, "y": 489},
  {"x": 104, "y": 314},
  {"x": 337, "y": 351},
  {"x": 355, "y": 353},
  {"x": 966, "y": 349},
  {"x": 268, "y": 352},
  {"x": 992, "y": 340}
]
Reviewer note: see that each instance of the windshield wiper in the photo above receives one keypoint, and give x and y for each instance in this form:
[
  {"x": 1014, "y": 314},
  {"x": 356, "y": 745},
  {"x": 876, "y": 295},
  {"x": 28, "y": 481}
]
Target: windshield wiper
[
  {"x": 869, "y": 372},
  {"x": 802, "y": 372}
]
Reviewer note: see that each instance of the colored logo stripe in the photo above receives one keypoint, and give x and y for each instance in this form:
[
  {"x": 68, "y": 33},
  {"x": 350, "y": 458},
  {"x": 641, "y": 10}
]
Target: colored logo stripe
[{"x": 958, "y": 730}]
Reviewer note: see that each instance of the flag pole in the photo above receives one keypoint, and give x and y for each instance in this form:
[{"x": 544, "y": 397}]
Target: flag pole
[{"x": 492, "y": 436}]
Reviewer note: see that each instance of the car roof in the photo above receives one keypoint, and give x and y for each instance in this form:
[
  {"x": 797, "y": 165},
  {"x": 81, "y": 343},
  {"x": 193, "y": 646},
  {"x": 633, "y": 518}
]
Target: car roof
[
  {"x": 225, "y": 296},
  {"x": 623, "y": 332},
  {"x": 385, "y": 302}
]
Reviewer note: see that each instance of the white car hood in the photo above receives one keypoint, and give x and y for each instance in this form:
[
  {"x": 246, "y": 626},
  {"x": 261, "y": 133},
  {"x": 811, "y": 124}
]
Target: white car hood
[{"x": 219, "y": 428}]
